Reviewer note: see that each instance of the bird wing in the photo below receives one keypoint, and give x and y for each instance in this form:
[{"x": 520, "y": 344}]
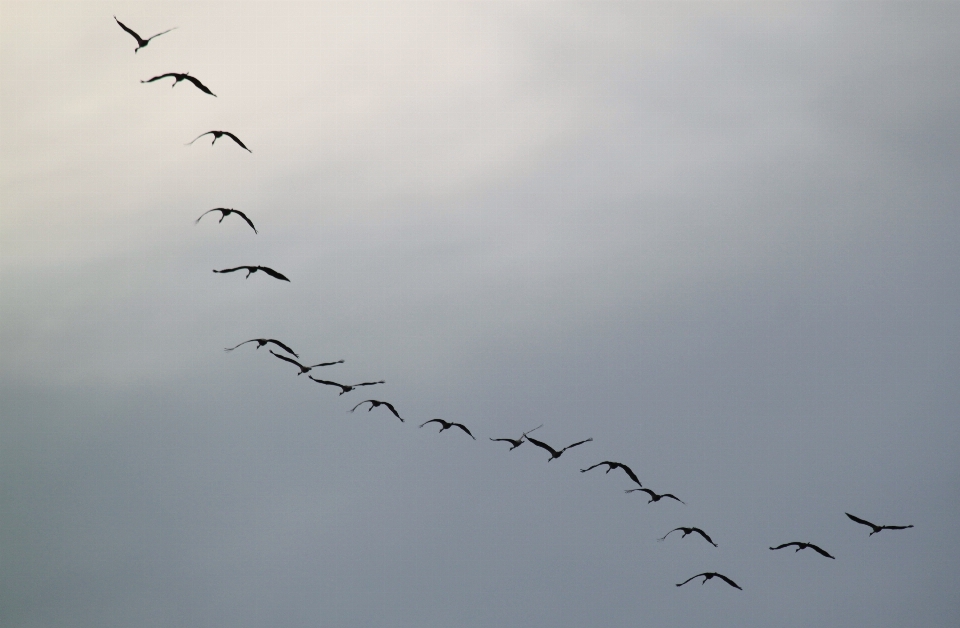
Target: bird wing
[
  {"x": 354, "y": 407},
  {"x": 896, "y": 527},
  {"x": 668, "y": 534},
  {"x": 272, "y": 273},
  {"x": 244, "y": 216},
  {"x": 157, "y": 35},
  {"x": 672, "y": 496},
  {"x": 392, "y": 409},
  {"x": 727, "y": 580},
  {"x": 464, "y": 428},
  {"x": 575, "y": 444},
  {"x": 784, "y": 545},
  {"x": 643, "y": 490},
  {"x": 369, "y": 383},
  {"x": 440, "y": 421},
  {"x": 594, "y": 466},
  {"x": 543, "y": 445},
  {"x": 328, "y": 383},
  {"x": 691, "y": 578},
  {"x": 196, "y": 138},
  {"x": 215, "y": 209},
  {"x": 819, "y": 550},
  {"x": 325, "y": 364},
  {"x": 157, "y": 78},
  {"x": 282, "y": 346},
  {"x": 286, "y": 359},
  {"x": 200, "y": 86},
  {"x": 243, "y": 343},
  {"x": 237, "y": 140},
  {"x": 862, "y": 521},
  {"x": 629, "y": 472},
  {"x": 704, "y": 535},
  {"x": 142, "y": 42},
  {"x": 515, "y": 443},
  {"x": 230, "y": 270}
]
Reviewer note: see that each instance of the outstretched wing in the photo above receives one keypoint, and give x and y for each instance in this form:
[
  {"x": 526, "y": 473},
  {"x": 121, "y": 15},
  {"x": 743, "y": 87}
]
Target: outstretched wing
[
  {"x": 543, "y": 445},
  {"x": 366, "y": 383},
  {"x": 328, "y": 383},
  {"x": 392, "y": 409},
  {"x": 897, "y": 527},
  {"x": 237, "y": 140},
  {"x": 862, "y": 521},
  {"x": 704, "y": 535},
  {"x": 575, "y": 444},
  {"x": 668, "y": 534},
  {"x": 245, "y": 342},
  {"x": 283, "y": 346},
  {"x": 286, "y": 359},
  {"x": 515, "y": 443},
  {"x": 313, "y": 366},
  {"x": 157, "y": 78},
  {"x": 464, "y": 428},
  {"x": 195, "y": 139},
  {"x": 596, "y": 465},
  {"x": 819, "y": 550},
  {"x": 672, "y": 496},
  {"x": 354, "y": 407},
  {"x": 784, "y": 545},
  {"x": 643, "y": 490},
  {"x": 630, "y": 473},
  {"x": 691, "y": 578},
  {"x": 728, "y": 580},
  {"x": 140, "y": 41},
  {"x": 272, "y": 273},
  {"x": 432, "y": 421},
  {"x": 157, "y": 35},
  {"x": 200, "y": 86},
  {"x": 231, "y": 270},
  {"x": 215, "y": 209},
  {"x": 244, "y": 216}
]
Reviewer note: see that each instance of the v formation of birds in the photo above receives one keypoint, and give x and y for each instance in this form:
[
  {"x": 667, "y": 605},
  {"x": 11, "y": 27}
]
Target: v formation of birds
[{"x": 445, "y": 425}]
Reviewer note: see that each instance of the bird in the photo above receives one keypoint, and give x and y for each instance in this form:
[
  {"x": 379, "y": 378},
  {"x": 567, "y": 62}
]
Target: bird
[
  {"x": 217, "y": 135},
  {"x": 801, "y": 546},
  {"x": 516, "y": 443},
  {"x": 262, "y": 341},
  {"x": 344, "y": 387},
  {"x": 252, "y": 269},
  {"x": 304, "y": 369},
  {"x": 687, "y": 531},
  {"x": 141, "y": 42},
  {"x": 445, "y": 425},
  {"x": 181, "y": 77},
  {"x": 875, "y": 527},
  {"x": 653, "y": 496},
  {"x": 614, "y": 465},
  {"x": 710, "y": 574},
  {"x": 226, "y": 211},
  {"x": 374, "y": 403},
  {"x": 553, "y": 452}
]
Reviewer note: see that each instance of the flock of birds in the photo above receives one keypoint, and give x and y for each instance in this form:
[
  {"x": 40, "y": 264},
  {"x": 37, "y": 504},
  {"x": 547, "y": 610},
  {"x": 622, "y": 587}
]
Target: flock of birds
[{"x": 445, "y": 425}]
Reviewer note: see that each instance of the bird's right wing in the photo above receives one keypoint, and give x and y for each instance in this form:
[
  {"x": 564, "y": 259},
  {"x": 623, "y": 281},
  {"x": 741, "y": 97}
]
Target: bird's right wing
[
  {"x": 243, "y": 343},
  {"x": 860, "y": 521},
  {"x": 668, "y": 534},
  {"x": 704, "y": 535},
  {"x": 140, "y": 41},
  {"x": 215, "y": 209},
  {"x": 575, "y": 444},
  {"x": 158, "y": 34},
  {"x": 430, "y": 421},
  {"x": 282, "y": 346},
  {"x": 594, "y": 466},
  {"x": 244, "y": 216},
  {"x": 231, "y": 270},
  {"x": 727, "y": 580},
  {"x": 629, "y": 472},
  {"x": 237, "y": 140},
  {"x": 326, "y": 364},
  {"x": 782, "y": 546},
  {"x": 273, "y": 273},
  {"x": 286, "y": 359},
  {"x": 690, "y": 578},
  {"x": 200, "y": 86},
  {"x": 157, "y": 78},
  {"x": 328, "y": 383},
  {"x": 819, "y": 550},
  {"x": 392, "y": 409},
  {"x": 542, "y": 445},
  {"x": 195, "y": 139}
]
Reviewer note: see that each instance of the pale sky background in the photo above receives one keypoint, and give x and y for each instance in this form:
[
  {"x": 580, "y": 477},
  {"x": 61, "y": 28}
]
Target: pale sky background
[{"x": 721, "y": 239}]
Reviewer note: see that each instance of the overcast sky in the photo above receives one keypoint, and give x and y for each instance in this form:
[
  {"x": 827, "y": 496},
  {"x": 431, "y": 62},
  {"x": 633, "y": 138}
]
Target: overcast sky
[{"x": 720, "y": 239}]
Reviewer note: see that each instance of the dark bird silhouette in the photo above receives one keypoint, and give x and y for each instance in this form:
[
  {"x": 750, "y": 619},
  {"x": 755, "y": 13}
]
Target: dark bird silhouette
[
  {"x": 217, "y": 135},
  {"x": 553, "y": 452},
  {"x": 304, "y": 369},
  {"x": 615, "y": 465},
  {"x": 374, "y": 403},
  {"x": 141, "y": 42},
  {"x": 711, "y": 574},
  {"x": 226, "y": 211},
  {"x": 653, "y": 496},
  {"x": 801, "y": 546},
  {"x": 445, "y": 425},
  {"x": 252, "y": 269},
  {"x": 262, "y": 341},
  {"x": 875, "y": 527},
  {"x": 687, "y": 531},
  {"x": 345, "y": 388},
  {"x": 516, "y": 443},
  {"x": 182, "y": 77}
]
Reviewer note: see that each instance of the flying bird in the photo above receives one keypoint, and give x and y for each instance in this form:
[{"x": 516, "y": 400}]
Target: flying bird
[
  {"x": 516, "y": 442},
  {"x": 217, "y": 135},
  {"x": 710, "y": 574},
  {"x": 252, "y": 269},
  {"x": 687, "y": 531},
  {"x": 553, "y": 452},
  {"x": 374, "y": 403},
  {"x": 801, "y": 546},
  {"x": 141, "y": 42},
  {"x": 653, "y": 496},
  {"x": 875, "y": 527},
  {"x": 303, "y": 369},
  {"x": 262, "y": 341},
  {"x": 445, "y": 425},
  {"x": 226, "y": 211},
  {"x": 182, "y": 77},
  {"x": 614, "y": 465},
  {"x": 345, "y": 388}
]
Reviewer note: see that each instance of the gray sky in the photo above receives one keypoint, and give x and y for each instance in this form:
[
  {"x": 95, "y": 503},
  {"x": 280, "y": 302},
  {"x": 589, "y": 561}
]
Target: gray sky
[{"x": 720, "y": 239}]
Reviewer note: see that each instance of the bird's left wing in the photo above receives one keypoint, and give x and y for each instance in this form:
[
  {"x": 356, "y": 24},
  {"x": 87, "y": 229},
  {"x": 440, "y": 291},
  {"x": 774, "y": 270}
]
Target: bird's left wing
[
  {"x": 200, "y": 86},
  {"x": 237, "y": 140},
  {"x": 727, "y": 580},
  {"x": 244, "y": 216},
  {"x": 273, "y": 273}
]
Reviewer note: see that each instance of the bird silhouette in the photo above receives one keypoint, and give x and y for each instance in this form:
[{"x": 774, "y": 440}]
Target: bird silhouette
[
  {"x": 252, "y": 269},
  {"x": 653, "y": 496},
  {"x": 553, "y": 452},
  {"x": 687, "y": 531},
  {"x": 374, "y": 403},
  {"x": 217, "y": 135},
  {"x": 445, "y": 425},
  {"x": 711, "y": 574},
  {"x": 875, "y": 527},
  {"x": 516, "y": 442},
  {"x": 304, "y": 369},
  {"x": 262, "y": 341},
  {"x": 615, "y": 465},
  {"x": 141, "y": 42},
  {"x": 801, "y": 546},
  {"x": 182, "y": 77},
  {"x": 344, "y": 388},
  {"x": 226, "y": 211}
]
